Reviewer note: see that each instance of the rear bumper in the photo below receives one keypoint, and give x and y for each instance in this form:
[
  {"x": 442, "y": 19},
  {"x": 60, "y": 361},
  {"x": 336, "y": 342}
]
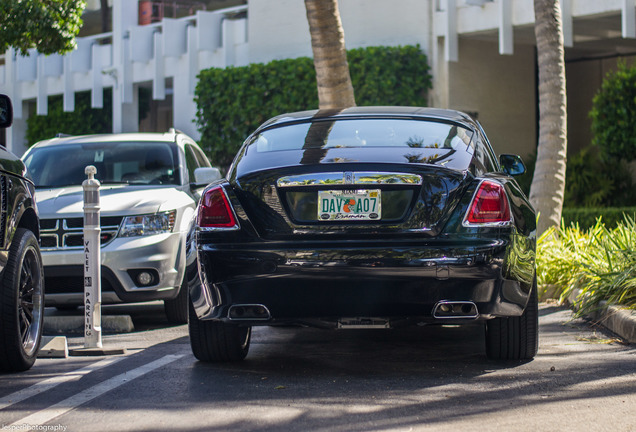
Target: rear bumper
[{"x": 398, "y": 282}]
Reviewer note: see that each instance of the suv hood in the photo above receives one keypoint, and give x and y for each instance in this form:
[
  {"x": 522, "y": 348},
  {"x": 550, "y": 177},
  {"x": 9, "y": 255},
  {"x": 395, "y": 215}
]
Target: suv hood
[{"x": 118, "y": 200}]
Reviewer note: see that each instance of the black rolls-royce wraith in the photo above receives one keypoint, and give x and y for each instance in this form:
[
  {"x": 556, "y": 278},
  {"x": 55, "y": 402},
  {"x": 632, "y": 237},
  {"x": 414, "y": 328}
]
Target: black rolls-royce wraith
[{"x": 370, "y": 217}]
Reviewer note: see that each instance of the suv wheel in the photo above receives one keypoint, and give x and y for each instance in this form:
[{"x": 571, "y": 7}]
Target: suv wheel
[
  {"x": 214, "y": 341},
  {"x": 21, "y": 303},
  {"x": 515, "y": 338},
  {"x": 177, "y": 308}
]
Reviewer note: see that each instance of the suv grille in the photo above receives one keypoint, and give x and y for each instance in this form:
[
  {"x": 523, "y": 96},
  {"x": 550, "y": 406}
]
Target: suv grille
[{"x": 69, "y": 233}]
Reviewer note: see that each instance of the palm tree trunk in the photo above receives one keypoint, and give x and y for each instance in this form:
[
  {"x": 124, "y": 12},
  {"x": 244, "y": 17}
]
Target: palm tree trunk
[
  {"x": 330, "y": 56},
  {"x": 548, "y": 183}
]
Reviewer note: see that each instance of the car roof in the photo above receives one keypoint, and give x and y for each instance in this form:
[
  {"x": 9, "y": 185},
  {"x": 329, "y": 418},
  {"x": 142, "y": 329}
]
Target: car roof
[
  {"x": 168, "y": 137},
  {"x": 372, "y": 112}
]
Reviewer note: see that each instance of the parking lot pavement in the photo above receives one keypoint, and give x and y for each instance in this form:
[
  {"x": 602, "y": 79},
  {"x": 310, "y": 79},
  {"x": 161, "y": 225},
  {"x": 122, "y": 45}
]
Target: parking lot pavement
[{"x": 298, "y": 379}]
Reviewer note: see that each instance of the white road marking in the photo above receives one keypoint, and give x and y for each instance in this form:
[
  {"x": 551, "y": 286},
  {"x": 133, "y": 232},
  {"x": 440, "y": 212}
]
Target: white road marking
[
  {"x": 48, "y": 414},
  {"x": 48, "y": 384}
]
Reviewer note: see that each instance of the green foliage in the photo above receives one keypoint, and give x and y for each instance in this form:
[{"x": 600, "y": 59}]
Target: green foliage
[
  {"x": 593, "y": 265},
  {"x": 389, "y": 76},
  {"x": 234, "y": 101},
  {"x": 595, "y": 182},
  {"x": 591, "y": 182},
  {"x": 48, "y": 25},
  {"x": 84, "y": 120},
  {"x": 586, "y": 217},
  {"x": 614, "y": 115}
]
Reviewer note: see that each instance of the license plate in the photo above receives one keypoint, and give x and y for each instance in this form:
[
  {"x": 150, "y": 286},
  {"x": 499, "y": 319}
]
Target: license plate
[{"x": 363, "y": 204}]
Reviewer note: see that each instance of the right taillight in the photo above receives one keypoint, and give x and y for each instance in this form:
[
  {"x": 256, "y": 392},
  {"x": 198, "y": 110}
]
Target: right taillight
[
  {"x": 489, "y": 206},
  {"x": 215, "y": 210}
]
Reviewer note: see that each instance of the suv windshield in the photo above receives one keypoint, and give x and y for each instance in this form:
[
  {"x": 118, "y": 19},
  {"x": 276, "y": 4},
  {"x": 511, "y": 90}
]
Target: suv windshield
[{"x": 116, "y": 162}]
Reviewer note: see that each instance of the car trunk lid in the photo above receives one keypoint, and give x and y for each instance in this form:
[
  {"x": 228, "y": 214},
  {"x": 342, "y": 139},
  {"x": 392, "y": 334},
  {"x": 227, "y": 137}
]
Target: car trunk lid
[{"x": 353, "y": 201}]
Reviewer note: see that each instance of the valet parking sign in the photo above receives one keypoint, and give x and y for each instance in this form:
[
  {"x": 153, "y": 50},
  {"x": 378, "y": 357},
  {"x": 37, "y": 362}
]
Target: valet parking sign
[{"x": 92, "y": 262}]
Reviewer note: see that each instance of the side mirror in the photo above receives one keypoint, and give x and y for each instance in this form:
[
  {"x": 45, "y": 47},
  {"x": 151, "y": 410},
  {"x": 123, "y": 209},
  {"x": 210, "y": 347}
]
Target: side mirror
[
  {"x": 6, "y": 111},
  {"x": 206, "y": 175},
  {"x": 512, "y": 164}
]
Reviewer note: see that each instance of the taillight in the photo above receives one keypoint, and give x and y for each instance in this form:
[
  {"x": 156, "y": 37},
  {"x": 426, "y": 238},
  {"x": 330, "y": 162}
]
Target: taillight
[
  {"x": 489, "y": 205},
  {"x": 215, "y": 210}
]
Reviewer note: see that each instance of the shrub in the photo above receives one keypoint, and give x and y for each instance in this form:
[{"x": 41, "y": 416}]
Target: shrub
[
  {"x": 234, "y": 101},
  {"x": 595, "y": 182},
  {"x": 600, "y": 262},
  {"x": 614, "y": 114},
  {"x": 591, "y": 182},
  {"x": 586, "y": 217}
]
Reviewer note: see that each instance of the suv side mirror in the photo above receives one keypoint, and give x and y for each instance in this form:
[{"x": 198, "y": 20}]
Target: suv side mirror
[
  {"x": 6, "y": 111},
  {"x": 206, "y": 175},
  {"x": 512, "y": 164}
]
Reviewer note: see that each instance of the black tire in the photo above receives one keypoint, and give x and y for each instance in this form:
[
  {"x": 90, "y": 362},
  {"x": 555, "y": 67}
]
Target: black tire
[
  {"x": 214, "y": 341},
  {"x": 21, "y": 303},
  {"x": 177, "y": 308},
  {"x": 515, "y": 338}
]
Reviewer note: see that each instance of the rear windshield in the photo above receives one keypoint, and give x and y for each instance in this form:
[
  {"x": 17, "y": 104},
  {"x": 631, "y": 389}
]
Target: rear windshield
[
  {"x": 140, "y": 163},
  {"x": 352, "y": 133}
]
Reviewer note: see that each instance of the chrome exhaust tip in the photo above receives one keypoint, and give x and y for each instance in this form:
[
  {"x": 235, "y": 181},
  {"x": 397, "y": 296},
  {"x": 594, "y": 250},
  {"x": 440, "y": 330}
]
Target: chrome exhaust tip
[
  {"x": 455, "y": 309},
  {"x": 248, "y": 312}
]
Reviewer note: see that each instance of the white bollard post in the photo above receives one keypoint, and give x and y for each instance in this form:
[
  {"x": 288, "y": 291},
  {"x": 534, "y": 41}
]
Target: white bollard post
[{"x": 92, "y": 262}]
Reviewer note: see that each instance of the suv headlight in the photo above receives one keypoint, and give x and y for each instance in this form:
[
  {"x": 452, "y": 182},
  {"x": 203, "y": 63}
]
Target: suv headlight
[{"x": 133, "y": 226}]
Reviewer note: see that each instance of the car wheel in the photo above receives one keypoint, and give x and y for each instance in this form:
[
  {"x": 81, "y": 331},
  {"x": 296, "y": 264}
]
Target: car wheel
[
  {"x": 214, "y": 341},
  {"x": 177, "y": 308},
  {"x": 515, "y": 338},
  {"x": 21, "y": 303}
]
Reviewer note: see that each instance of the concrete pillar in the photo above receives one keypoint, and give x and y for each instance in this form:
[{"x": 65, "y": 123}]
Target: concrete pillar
[
  {"x": 451, "y": 46},
  {"x": 16, "y": 134},
  {"x": 184, "y": 109},
  {"x": 125, "y": 109}
]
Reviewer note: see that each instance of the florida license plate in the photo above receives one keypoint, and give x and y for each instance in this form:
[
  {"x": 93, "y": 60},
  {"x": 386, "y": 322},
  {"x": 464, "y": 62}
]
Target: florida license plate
[{"x": 363, "y": 204}]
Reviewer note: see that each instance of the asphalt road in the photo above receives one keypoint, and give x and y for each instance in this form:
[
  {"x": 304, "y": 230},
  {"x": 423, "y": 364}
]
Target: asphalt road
[{"x": 294, "y": 379}]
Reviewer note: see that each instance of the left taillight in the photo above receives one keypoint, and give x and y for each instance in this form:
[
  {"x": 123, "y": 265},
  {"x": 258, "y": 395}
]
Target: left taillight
[
  {"x": 489, "y": 206},
  {"x": 215, "y": 211}
]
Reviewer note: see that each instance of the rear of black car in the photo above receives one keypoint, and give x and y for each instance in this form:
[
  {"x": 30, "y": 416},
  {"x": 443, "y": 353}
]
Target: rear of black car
[{"x": 363, "y": 219}]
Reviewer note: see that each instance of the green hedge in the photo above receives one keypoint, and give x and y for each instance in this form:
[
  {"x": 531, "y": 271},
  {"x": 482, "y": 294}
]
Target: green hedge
[
  {"x": 613, "y": 114},
  {"x": 84, "y": 120},
  {"x": 591, "y": 181},
  {"x": 586, "y": 217},
  {"x": 234, "y": 101}
]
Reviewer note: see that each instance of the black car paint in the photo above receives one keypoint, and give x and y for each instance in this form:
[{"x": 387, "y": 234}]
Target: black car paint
[
  {"x": 19, "y": 208},
  {"x": 314, "y": 273}
]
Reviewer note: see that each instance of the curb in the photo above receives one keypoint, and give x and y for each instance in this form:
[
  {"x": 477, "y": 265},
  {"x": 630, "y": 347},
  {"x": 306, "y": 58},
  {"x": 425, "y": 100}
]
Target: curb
[
  {"x": 619, "y": 321},
  {"x": 75, "y": 324},
  {"x": 53, "y": 347}
]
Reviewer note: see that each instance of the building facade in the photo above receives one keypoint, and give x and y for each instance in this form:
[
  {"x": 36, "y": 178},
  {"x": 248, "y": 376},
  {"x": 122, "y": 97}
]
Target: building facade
[{"x": 481, "y": 52}]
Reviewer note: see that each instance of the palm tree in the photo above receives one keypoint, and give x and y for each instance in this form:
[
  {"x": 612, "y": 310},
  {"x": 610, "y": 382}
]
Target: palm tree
[
  {"x": 330, "y": 56},
  {"x": 548, "y": 183}
]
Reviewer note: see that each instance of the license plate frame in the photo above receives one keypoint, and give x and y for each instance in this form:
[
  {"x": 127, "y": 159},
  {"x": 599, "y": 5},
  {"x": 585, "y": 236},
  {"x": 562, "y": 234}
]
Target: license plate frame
[{"x": 349, "y": 205}]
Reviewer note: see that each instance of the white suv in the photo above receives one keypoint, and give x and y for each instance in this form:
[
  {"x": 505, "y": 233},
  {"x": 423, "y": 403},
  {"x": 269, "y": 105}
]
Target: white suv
[{"x": 150, "y": 186}]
